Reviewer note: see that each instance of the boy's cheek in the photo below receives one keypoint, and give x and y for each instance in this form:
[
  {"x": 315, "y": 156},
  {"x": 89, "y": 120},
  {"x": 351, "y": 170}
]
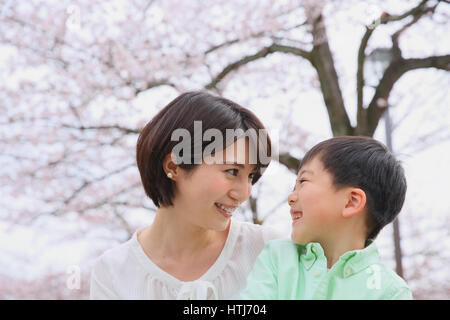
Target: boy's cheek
[{"x": 316, "y": 224}]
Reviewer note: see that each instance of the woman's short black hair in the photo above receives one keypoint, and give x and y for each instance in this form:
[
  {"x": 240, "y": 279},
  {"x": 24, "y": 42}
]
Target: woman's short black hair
[
  {"x": 365, "y": 163},
  {"x": 155, "y": 140}
]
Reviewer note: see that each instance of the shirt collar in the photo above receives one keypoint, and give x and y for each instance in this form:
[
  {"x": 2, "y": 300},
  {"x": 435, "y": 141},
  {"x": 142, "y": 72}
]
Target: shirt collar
[
  {"x": 357, "y": 260},
  {"x": 311, "y": 252},
  {"x": 350, "y": 262}
]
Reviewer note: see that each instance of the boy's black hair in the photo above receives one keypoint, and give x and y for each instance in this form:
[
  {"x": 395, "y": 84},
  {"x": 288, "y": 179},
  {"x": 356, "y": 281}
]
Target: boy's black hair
[{"x": 365, "y": 163}]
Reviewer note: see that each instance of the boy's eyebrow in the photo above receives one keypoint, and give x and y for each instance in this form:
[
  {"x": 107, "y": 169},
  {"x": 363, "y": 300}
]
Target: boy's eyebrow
[{"x": 305, "y": 170}]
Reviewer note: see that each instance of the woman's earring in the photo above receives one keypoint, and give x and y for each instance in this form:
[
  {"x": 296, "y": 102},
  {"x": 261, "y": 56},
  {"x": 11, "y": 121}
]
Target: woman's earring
[{"x": 169, "y": 175}]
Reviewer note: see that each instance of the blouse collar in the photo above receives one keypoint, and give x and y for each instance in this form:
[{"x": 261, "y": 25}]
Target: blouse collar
[{"x": 190, "y": 289}]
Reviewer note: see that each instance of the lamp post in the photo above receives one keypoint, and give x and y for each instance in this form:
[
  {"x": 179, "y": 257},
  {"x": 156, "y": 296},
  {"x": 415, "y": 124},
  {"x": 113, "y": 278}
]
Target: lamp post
[{"x": 376, "y": 63}]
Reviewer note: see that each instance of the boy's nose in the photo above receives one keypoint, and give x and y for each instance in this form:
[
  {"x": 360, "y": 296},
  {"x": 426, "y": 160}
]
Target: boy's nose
[{"x": 292, "y": 198}]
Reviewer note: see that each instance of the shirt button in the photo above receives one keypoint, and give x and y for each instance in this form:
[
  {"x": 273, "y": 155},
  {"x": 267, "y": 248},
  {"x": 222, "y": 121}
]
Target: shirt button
[
  {"x": 316, "y": 273},
  {"x": 313, "y": 249},
  {"x": 347, "y": 271},
  {"x": 308, "y": 264}
]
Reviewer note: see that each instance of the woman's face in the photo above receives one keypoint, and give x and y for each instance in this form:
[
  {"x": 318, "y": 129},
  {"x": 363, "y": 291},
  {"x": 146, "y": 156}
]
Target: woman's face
[{"x": 208, "y": 195}]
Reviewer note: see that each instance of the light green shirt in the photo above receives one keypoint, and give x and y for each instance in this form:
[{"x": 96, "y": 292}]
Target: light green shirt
[{"x": 285, "y": 270}]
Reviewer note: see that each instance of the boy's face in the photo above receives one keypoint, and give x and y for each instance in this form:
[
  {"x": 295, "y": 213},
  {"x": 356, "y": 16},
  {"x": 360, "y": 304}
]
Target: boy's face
[{"x": 316, "y": 205}]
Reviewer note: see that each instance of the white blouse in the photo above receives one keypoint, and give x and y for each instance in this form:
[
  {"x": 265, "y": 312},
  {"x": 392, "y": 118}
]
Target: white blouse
[{"x": 126, "y": 272}]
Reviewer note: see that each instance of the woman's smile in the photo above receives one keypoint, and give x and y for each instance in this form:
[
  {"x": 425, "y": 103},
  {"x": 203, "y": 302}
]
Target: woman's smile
[{"x": 227, "y": 212}]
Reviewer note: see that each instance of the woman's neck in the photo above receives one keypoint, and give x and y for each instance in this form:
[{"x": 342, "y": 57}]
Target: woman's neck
[{"x": 172, "y": 235}]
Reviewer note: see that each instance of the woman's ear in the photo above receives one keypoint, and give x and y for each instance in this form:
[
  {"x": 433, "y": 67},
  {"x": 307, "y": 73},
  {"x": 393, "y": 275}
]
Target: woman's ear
[
  {"x": 356, "y": 201},
  {"x": 169, "y": 166}
]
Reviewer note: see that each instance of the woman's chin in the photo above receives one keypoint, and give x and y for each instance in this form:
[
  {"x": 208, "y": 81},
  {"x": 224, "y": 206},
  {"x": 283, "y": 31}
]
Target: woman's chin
[{"x": 220, "y": 225}]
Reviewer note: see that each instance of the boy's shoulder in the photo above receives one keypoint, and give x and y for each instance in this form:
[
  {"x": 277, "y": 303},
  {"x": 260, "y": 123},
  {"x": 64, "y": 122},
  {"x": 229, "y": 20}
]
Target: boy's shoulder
[
  {"x": 282, "y": 248},
  {"x": 280, "y": 255},
  {"x": 388, "y": 284},
  {"x": 283, "y": 243},
  {"x": 391, "y": 278},
  {"x": 376, "y": 271}
]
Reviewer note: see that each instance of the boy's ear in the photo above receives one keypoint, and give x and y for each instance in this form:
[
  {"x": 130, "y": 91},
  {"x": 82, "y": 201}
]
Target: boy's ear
[{"x": 356, "y": 201}]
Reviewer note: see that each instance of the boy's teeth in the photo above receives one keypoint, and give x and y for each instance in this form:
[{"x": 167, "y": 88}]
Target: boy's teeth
[{"x": 296, "y": 216}]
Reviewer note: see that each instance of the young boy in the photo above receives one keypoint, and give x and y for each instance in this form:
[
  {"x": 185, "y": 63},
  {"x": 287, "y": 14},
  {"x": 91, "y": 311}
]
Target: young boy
[{"x": 348, "y": 189}]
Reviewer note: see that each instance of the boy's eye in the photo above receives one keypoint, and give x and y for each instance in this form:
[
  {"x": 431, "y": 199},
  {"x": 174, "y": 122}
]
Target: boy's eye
[{"x": 298, "y": 181}]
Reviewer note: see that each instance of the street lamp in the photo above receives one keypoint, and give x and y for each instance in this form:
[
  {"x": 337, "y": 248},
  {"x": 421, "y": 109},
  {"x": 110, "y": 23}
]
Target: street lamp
[{"x": 376, "y": 63}]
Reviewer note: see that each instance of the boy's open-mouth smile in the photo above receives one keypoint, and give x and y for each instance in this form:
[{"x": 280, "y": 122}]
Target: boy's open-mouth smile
[{"x": 296, "y": 215}]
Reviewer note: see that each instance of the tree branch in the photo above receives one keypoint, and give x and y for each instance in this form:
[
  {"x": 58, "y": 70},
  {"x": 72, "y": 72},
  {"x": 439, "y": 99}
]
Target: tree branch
[
  {"x": 252, "y": 36},
  {"x": 362, "y": 114},
  {"x": 414, "y": 11},
  {"x": 322, "y": 60},
  {"x": 260, "y": 54},
  {"x": 394, "y": 71},
  {"x": 417, "y": 12},
  {"x": 289, "y": 161},
  {"x": 115, "y": 127},
  {"x": 360, "y": 74}
]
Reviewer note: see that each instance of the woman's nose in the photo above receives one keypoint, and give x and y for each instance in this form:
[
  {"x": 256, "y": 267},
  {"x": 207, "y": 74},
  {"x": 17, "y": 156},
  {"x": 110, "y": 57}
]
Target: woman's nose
[{"x": 241, "y": 191}]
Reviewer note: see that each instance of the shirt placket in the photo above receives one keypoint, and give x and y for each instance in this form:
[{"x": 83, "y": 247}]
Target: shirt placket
[{"x": 317, "y": 272}]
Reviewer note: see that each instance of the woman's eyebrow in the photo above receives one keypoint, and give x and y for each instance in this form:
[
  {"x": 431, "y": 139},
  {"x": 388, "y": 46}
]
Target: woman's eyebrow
[
  {"x": 240, "y": 165},
  {"x": 234, "y": 163}
]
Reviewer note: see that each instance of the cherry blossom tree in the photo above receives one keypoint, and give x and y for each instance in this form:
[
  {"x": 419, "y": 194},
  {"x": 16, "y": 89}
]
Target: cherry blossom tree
[{"x": 81, "y": 78}]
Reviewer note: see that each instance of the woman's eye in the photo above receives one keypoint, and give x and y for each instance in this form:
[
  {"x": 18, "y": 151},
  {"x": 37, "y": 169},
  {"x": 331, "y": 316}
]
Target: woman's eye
[
  {"x": 232, "y": 170},
  {"x": 235, "y": 172}
]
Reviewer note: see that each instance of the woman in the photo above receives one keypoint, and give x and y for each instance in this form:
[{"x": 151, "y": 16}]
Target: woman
[{"x": 193, "y": 249}]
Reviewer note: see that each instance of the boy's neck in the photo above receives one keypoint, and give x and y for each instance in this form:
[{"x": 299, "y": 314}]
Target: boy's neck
[{"x": 334, "y": 249}]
